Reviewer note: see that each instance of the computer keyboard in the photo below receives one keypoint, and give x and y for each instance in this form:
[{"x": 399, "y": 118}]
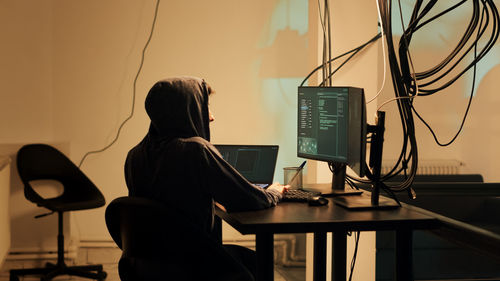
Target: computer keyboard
[{"x": 299, "y": 195}]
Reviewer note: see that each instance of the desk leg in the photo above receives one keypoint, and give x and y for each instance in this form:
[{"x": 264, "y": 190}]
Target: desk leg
[
  {"x": 404, "y": 255},
  {"x": 264, "y": 245},
  {"x": 339, "y": 256},
  {"x": 319, "y": 259}
]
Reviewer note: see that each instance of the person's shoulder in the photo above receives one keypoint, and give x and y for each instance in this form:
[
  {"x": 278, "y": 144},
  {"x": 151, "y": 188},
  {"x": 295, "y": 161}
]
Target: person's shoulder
[
  {"x": 195, "y": 141},
  {"x": 200, "y": 143}
]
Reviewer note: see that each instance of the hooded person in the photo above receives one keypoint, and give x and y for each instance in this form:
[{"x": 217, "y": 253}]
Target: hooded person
[{"x": 177, "y": 165}]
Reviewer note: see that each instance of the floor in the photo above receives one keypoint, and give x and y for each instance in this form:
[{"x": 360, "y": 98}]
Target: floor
[{"x": 108, "y": 257}]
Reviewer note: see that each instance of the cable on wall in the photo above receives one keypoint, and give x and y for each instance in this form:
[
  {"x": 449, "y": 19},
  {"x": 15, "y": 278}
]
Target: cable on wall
[
  {"x": 322, "y": 20},
  {"x": 408, "y": 83},
  {"x": 353, "y": 52},
  {"x": 355, "y": 254},
  {"x": 134, "y": 91},
  {"x": 384, "y": 56}
]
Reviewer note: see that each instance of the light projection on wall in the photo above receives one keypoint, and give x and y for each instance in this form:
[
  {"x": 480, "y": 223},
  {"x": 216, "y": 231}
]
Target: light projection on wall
[
  {"x": 281, "y": 67},
  {"x": 283, "y": 46}
]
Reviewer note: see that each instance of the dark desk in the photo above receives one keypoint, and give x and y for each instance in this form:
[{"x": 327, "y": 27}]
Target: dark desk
[{"x": 290, "y": 217}]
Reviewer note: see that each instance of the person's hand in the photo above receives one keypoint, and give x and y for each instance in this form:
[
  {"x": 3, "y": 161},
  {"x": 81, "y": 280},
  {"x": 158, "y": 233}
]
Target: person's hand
[{"x": 279, "y": 187}]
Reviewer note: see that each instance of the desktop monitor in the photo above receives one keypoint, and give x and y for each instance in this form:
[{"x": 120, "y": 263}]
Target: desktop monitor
[{"x": 332, "y": 127}]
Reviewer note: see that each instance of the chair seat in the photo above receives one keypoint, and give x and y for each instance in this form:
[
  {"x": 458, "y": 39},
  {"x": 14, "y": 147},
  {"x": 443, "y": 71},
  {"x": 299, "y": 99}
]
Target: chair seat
[{"x": 70, "y": 204}]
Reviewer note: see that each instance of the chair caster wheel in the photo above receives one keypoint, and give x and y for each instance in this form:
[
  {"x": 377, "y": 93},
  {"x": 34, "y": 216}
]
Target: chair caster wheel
[{"x": 102, "y": 276}]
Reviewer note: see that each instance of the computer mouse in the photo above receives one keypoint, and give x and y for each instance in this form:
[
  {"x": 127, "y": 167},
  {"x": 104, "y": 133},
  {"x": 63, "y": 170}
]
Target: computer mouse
[{"x": 317, "y": 201}]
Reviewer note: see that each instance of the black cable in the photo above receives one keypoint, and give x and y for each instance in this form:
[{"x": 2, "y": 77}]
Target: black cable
[
  {"x": 405, "y": 82},
  {"x": 323, "y": 22},
  {"x": 327, "y": 10},
  {"x": 456, "y": 50},
  {"x": 373, "y": 39},
  {"x": 355, "y": 254},
  {"x": 328, "y": 78},
  {"x": 463, "y": 119},
  {"x": 391, "y": 193},
  {"x": 133, "y": 92},
  {"x": 351, "y": 183},
  {"x": 479, "y": 32},
  {"x": 434, "y": 70},
  {"x": 409, "y": 147},
  {"x": 475, "y": 19},
  {"x": 440, "y": 14}
]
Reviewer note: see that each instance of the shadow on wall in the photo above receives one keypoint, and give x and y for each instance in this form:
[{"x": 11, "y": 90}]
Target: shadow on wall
[{"x": 286, "y": 57}]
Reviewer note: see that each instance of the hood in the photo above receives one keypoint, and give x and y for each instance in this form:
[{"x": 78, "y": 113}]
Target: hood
[{"x": 178, "y": 108}]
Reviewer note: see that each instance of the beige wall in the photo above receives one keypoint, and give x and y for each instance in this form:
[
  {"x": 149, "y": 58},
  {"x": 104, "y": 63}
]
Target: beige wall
[
  {"x": 68, "y": 67},
  {"x": 238, "y": 50},
  {"x": 26, "y": 108},
  {"x": 26, "y": 105},
  {"x": 4, "y": 207}
]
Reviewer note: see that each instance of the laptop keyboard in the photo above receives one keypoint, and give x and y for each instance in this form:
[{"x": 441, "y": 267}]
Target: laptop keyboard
[{"x": 299, "y": 195}]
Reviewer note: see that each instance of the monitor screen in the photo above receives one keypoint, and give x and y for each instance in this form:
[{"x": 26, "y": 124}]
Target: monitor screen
[{"x": 332, "y": 125}]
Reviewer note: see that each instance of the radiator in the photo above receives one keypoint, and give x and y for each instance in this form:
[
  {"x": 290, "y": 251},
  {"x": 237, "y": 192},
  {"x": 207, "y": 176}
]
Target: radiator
[
  {"x": 4, "y": 207},
  {"x": 430, "y": 167}
]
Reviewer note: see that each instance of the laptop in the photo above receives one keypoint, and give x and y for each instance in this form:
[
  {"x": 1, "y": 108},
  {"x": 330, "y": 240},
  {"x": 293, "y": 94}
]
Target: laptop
[{"x": 255, "y": 162}]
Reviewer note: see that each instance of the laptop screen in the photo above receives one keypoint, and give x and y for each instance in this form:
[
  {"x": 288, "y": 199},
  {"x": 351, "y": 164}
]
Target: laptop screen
[{"x": 255, "y": 162}]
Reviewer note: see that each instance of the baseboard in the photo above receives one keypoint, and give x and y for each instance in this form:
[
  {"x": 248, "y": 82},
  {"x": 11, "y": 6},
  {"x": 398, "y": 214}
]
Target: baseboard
[
  {"x": 40, "y": 254},
  {"x": 97, "y": 244},
  {"x": 284, "y": 250}
]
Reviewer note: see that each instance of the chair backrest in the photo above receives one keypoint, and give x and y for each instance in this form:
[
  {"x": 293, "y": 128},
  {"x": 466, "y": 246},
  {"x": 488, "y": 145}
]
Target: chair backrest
[
  {"x": 44, "y": 162},
  {"x": 159, "y": 244}
]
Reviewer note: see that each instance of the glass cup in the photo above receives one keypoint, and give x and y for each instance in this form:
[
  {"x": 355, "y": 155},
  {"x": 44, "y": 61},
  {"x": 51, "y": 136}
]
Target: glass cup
[{"x": 289, "y": 173}]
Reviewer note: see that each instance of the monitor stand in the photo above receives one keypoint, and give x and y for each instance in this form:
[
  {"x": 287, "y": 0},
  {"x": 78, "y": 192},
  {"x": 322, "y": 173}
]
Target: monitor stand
[
  {"x": 372, "y": 201},
  {"x": 366, "y": 202},
  {"x": 338, "y": 182}
]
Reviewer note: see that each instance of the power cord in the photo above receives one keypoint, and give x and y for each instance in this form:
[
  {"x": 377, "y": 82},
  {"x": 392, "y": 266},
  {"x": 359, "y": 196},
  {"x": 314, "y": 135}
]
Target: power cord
[
  {"x": 408, "y": 83},
  {"x": 133, "y": 92},
  {"x": 355, "y": 51},
  {"x": 355, "y": 254}
]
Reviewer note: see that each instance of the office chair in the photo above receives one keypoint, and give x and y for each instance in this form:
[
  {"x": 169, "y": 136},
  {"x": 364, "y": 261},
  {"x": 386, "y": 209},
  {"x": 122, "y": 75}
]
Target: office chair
[
  {"x": 159, "y": 244},
  {"x": 43, "y": 162}
]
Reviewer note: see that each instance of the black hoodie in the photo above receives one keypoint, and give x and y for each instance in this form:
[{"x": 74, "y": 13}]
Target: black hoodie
[{"x": 176, "y": 164}]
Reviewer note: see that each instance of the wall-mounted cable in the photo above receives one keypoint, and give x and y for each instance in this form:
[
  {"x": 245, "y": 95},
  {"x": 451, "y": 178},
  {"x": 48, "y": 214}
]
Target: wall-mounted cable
[
  {"x": 353, "y": 52},
  {"x": 408, "y": 83},
  {"x": 131, "y": 114},
  {"x": 384, "y": 56}
]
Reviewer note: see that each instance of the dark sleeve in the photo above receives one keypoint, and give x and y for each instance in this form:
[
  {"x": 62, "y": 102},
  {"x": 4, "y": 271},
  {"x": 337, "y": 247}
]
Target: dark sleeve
[
  {"x": 230, "y": 188},
  {"x": 137, "y": 172}
]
